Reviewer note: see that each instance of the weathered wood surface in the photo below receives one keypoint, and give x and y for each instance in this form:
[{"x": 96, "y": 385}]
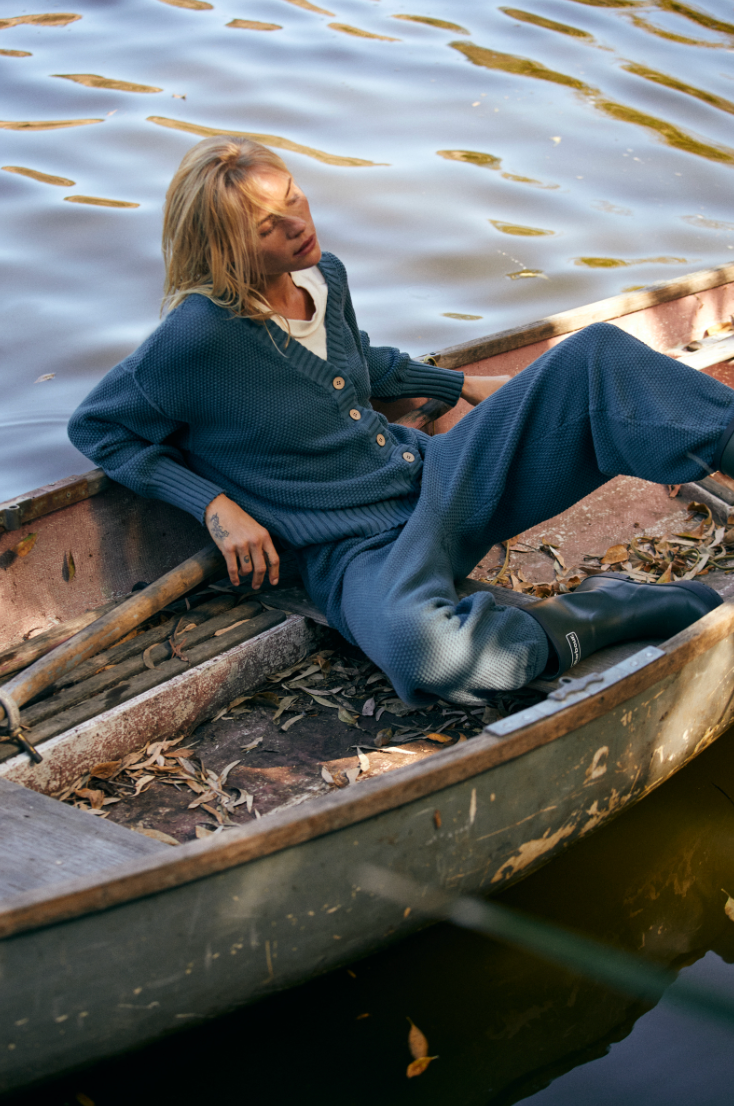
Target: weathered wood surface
[
  {"x": 166, "y": 956},
  {"x": 171, "y": 708},
  {"x": 47, "y": 843},
  {"x": 117, "y": 540}
]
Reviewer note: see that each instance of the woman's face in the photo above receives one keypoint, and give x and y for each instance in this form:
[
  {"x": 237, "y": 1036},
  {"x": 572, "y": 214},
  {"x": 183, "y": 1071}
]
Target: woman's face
[{"x": 287, "y": 236}]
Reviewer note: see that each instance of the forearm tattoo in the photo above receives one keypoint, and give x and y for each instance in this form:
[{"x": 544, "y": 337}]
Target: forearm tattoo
[{"x": 215, "y": 528}]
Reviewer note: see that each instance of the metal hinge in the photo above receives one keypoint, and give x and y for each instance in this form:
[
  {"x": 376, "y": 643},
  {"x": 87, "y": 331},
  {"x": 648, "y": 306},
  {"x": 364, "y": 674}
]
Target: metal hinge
[{"x": 573, "y": 691}]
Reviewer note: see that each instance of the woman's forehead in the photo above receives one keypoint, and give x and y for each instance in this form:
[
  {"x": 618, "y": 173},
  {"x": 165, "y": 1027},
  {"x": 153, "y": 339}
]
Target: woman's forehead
[{"x": 271, "y": 188}]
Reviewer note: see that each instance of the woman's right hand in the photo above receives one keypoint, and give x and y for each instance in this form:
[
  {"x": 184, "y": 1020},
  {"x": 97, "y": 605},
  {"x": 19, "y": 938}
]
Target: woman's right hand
[{"x": 246, "y": 545}]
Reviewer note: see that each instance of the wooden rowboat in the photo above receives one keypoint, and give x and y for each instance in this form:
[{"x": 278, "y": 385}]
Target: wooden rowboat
[{"x": 111, "y": 938}]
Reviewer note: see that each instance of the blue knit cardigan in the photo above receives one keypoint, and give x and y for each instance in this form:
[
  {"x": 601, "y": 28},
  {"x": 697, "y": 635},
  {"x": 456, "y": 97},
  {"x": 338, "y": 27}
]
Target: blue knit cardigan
[{"x": 213, "y": 402}]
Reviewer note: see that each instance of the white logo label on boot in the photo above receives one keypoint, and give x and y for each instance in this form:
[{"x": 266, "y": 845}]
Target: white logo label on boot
[{"x": 575, "y": 647}]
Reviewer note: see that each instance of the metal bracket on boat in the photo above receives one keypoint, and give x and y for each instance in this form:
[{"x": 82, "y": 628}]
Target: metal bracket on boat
[
  {"x": 13, "y": 726},
  {"x": 573, "y": 691}
]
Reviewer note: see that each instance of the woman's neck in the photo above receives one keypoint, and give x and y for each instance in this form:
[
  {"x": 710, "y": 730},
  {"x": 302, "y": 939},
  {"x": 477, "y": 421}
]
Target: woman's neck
[{"x": 287, "y": 299}]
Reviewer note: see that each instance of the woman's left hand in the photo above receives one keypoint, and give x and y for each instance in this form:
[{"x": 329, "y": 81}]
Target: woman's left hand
[{"x": 477, "y": 388}]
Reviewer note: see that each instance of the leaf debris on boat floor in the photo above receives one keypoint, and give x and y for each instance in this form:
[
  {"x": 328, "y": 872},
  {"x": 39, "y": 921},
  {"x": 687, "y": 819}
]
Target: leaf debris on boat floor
[{"x": 325, "y": 723}]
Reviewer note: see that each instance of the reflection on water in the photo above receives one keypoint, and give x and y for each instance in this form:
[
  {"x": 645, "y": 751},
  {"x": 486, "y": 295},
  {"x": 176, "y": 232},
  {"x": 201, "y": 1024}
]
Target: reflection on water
[
  {"x": 44, "y": 178},
  {"x": 622, "y": 263},
  {"x": 582, "y": 111},
  {"x": 507, "y": 1027}
]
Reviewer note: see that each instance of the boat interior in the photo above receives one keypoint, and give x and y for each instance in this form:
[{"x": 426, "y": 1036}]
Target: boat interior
[{"x": 146, "y": 746}]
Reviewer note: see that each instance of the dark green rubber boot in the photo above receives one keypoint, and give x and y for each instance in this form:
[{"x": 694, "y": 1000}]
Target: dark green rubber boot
[{"x": 610, "y": 607}]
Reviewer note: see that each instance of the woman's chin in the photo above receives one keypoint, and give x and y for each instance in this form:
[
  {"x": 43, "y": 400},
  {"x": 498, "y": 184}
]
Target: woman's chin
[{"x": 308, "y": 259}]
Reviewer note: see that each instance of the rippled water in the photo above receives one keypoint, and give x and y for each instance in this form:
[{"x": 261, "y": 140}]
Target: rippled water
[{"x": 475, "y": 166}]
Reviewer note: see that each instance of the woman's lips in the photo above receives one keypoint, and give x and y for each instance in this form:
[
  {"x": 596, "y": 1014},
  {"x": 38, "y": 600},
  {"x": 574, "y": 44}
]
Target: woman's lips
[{"x": 307, "y": 246}]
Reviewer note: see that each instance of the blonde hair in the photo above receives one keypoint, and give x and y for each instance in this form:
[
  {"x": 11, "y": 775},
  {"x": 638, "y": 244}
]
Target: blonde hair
[{"x": 210, "y": 240}]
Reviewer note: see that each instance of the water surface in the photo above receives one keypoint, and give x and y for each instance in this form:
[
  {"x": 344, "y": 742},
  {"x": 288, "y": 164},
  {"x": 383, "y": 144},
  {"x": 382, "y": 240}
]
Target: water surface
[{"x": 475, "y": 166}]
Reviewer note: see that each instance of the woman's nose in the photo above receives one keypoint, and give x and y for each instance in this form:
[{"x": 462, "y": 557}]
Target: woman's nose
[{"x": 294, "y": 226}]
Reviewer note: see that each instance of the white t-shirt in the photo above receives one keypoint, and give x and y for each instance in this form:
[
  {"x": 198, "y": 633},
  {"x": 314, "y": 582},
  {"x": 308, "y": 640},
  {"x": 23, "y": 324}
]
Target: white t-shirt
[{"x": 311, "y": 333}]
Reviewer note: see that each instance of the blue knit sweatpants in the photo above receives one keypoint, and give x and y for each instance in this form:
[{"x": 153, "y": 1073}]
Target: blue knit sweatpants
[{"x": 599, "y": 404}]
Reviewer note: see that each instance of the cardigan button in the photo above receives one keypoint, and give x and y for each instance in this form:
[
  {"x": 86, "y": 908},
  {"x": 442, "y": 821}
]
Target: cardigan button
[
  {"x": 380, "y": 439},
  {"x": 408, "y": 457},
  {"x": 354, "y": 414},
  {"x": 338, "y": 382}
]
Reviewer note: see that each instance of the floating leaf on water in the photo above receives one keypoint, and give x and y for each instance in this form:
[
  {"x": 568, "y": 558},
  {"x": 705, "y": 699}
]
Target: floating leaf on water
[
  {"x": 253, "y": 25},
  {"x": 729, "y": 906},
  {"x": 24, "y": 546},
  {"x": 417, "y": 1042},
  {"x": 347, "y": 29},
  {"x": 16, "y": 53},
  {"x": 419, "y": 1066}
]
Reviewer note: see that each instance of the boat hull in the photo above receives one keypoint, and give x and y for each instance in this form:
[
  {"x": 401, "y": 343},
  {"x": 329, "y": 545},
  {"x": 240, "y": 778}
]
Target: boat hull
[{"x": 111, "y": 979}]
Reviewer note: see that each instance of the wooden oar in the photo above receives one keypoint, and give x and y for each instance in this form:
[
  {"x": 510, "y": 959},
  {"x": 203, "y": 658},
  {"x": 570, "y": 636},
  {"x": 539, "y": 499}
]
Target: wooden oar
[{"x": 100, "y": 635}]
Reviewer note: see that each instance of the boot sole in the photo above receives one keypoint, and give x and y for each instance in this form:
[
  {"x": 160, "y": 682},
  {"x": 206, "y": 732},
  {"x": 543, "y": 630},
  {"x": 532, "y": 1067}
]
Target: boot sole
[{"x": 706, "y": 594}]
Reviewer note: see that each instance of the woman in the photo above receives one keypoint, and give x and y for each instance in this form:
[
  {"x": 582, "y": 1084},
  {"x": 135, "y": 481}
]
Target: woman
[{"x": 249, "y": 407}]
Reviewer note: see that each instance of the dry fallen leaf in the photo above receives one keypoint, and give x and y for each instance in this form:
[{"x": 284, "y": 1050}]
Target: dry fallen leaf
[
  {"x": 291, "y": 722},
  {"x": 364, "y": 763},
  {"x": 252, "y": 745},
  {"x": 148, "y": 658},
  {"x": 441, "y": 738},
  {"x": 368, "y": 708},
  {"x": 42, "y": 379},
  {"x": 202, "y": 832},
  {"x": 24, "y": 546},
  {"x": 437, "y": 819},
  {"x": 347, "y": 717},
  {"x": 352, "y": 774},
  {"x": 105, "y": 769},
  {"x": 157, "y": 835},
  {"x": 326, "y": 774},
  {"x": 615, "y": 555},
  {"x": 232, "y": 626},
  {"x": 94, "y": 798}
]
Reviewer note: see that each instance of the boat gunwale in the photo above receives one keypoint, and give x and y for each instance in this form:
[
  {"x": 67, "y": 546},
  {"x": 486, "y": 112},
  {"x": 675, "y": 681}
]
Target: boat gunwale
[
  {"x": 197, "y": 860},
  {"x": 565, "y": 322}
]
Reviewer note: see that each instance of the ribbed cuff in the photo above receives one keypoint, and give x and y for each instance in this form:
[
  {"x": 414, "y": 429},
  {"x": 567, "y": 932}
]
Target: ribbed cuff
[
  {"x": 432, "y": 381},
  {"x": 182, "y": 487}
]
